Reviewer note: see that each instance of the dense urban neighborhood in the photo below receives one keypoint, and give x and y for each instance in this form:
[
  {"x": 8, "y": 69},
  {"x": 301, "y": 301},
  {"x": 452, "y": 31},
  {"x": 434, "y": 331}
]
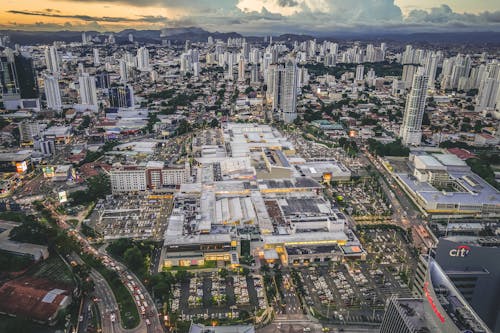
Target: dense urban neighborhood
[{"x": 188, "y": 181}]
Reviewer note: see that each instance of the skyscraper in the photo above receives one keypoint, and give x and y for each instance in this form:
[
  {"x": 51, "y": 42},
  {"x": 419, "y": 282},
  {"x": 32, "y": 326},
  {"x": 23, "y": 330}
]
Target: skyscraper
[
  {"x": 431, "y": 68},
  {"x": 121, "y": 97},
  {"x": 102, "y": 80},
  {"x": 411, "y": 132},
  {"x": 88, "y": 91},
  {"x": 241, "y": 69},
  {"x": 52, "y": 92},
  {"x": 360, "y": 69},
  {"x": 143, "y": 59},
  {"x": 441, "y": 309},
  {"x": 52, "y": 59},
  {"x": 254, "y": 74},
  {"x": 8, "y": 79},
  {"x": 97, "y": 61},
  {"x": 284, "y": 90},
  {"x": 123, "y": 71},
  {"x": 471, "y": 263}
]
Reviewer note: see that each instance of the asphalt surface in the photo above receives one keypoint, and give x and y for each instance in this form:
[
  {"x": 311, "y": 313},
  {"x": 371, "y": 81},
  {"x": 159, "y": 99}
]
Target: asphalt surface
[
  {"x": 107, "y": 303},
  {"x": 152, "y": 313}
]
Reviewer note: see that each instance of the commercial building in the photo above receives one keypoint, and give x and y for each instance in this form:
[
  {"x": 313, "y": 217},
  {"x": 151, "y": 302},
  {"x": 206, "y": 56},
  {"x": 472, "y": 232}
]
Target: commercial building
[
  {"x": 18, "y": 84},
  {"x": 153, "y": 176},
  {"x": 19, "y": 162},
  {"x": 245, "y": 186},
  {"x": 443, "y": 185},
  {"x": 325, "y": 171},
  {"x": 32, "y": 251},
  {"x": 121, "y": 97},
  {"x": 472, "y": 265},
  {"x": 28, "y": 130},
  {"x": 442, "y": 308},
  {"x": 200, "y": 328}
]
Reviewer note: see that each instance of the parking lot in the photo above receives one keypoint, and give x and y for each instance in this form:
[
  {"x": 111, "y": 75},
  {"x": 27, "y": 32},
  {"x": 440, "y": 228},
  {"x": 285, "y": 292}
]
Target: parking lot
[
  {"x": 356, "y": 291},
  {"x": 363, "y": 198},
  {"x": 131, "y": 216},
  {"x": 218, "y": 295},
  {"x": 349, "y": 293},
  {"x": 388, "y": 250},
  {"x": 313, "y": 150}
]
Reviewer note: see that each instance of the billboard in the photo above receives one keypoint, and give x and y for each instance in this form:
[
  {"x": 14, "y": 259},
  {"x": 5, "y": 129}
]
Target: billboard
[
  {"x": 48, "y": 171},
  {"x": 63, "y": 197},
  {"x": 21, "y": 167}
]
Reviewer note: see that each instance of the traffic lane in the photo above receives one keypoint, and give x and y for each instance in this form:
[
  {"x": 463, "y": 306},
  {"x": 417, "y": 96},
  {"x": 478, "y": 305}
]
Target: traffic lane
[{"x": 84, "y": 318}]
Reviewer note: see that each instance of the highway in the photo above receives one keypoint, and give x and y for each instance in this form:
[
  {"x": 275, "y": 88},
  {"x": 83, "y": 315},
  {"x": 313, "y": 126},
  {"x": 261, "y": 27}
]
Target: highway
[
  {"x": 107, "y": 303},
  {"x": 151, "y": 312},
  {"x": 405, "y": 214}
]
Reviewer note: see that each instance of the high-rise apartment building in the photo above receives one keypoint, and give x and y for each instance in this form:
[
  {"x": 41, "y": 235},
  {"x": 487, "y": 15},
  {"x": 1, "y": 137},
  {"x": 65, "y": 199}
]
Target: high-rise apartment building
[
  {"x": 52, "y": 93},
  {"x": 88, "y": 90},
  {"x": 51, "y": 59},
  {"x": 283, "y": 90},
  {"x": 143, "y": 59},
  {"x": 97, "y": 61},
  {"x": 411, "y": 131},
  {"x": 360, "y": 70}
]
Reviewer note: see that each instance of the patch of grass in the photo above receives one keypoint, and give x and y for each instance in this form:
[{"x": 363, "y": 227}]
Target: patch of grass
[
  {"x": 13, "y": 216},
  {"x": 10, "y": 324},
  {"x": 208, "y": 264},
  {"x": 12, "y": 263},
  {"x": 245, "y": 247},
  {"x": 53, "y": 269}
]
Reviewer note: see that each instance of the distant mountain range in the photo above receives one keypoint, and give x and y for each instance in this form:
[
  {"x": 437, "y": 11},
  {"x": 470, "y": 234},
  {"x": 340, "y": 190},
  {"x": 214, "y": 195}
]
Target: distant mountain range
[{"x": 196, "y": 34}]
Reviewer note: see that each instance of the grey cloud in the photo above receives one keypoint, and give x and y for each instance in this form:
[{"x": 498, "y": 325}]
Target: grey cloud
[
  {"x": 445, "y": 15},
  {"x": 109, "y": 19},
  {"x": 310, "y": 16},
  {"x": 287, "y": 3}
]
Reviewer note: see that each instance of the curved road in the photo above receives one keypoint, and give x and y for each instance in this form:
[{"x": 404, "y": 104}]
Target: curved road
[{"x": 108, "y": 306}]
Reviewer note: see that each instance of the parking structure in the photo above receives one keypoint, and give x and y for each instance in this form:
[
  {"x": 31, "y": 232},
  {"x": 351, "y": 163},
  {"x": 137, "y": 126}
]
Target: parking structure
[{"x": 131, "y": 216}]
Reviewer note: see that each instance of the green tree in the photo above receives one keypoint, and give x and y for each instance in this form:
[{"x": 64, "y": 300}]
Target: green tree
[
  {"x": 134, "y": 260},
  {"x": 214, "y": 123}
]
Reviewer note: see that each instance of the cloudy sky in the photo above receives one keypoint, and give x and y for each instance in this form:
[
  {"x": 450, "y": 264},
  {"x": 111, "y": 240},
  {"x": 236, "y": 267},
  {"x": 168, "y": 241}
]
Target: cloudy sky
[{"x": 253, "y": 16}]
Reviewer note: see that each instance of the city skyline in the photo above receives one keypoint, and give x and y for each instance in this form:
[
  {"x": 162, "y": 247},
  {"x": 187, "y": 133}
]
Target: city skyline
[
  {"x": 254, "y": 17},
  {"x": 250, "y": 166}
]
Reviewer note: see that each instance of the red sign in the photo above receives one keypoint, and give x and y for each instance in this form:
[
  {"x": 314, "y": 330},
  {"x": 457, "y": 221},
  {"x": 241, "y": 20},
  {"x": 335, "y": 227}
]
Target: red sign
[
  {"x": 460, "y": 251},
  {"x": 431, "y": 302}
]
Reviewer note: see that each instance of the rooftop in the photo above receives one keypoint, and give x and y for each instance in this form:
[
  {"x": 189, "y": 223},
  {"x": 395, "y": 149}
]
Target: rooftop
[{"x": 35, "y": 298}]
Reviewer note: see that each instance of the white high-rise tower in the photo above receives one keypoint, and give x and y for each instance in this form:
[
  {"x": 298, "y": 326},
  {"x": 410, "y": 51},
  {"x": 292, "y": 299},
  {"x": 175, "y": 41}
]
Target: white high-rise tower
[
  {"x": 97, "y": 61},
  {"x": 241, "y": 69},
  {"x": 284, "y": 90},
  {"x": 360, "y": 71},
  {"x": 123, "y": 71},
  {"x": 143, "y": 59},
  {"x": 52, "y": 92},
  {"x": 88, "y": 91},
  {"x": 52, "y": 59},
  {"x": 411, "y": 129}
]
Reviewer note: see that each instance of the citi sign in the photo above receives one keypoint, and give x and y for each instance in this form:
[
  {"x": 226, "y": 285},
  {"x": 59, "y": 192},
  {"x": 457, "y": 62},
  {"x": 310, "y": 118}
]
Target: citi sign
[{"x": 460, "y": 251}]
